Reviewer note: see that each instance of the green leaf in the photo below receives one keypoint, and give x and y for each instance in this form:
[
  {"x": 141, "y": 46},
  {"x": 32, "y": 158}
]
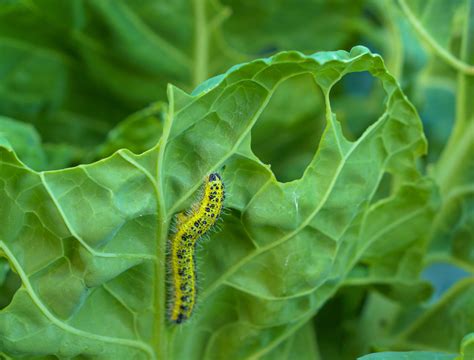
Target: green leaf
[
  {"x": 138, "y": 132},
  {"x": 43, "y": 84},
  {"x": 443, "y": 326},
  {"x": 410, "y": 355},
  {"x": 302, "y": 344},
  {"x": 271, "y": 30},
  {"x": 25, "y": 141},
  {"x": 89, "y": 242},
  {"x": 336, "y": 324},
  {"x": 453, "y": 235},
  {"x": 387, "y": 324},
  {"x": 88, "y": 66},
  {"x": 62, "y": 155},
  {"x": 439, "y": 23},
  {"x": 467, "y": 347},
  {"x": 452, "y": 232}
]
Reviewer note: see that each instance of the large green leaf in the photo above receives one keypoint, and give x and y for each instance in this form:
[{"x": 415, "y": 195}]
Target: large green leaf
[
  {"x": 89, "y": 243},
  {"x": 411, "y": 355}
]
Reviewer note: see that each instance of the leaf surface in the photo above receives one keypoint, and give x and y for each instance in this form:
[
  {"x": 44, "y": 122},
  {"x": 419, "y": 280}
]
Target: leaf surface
[
  {"x": 410, "y": 355},
  {"x": 89, "y": 242}
]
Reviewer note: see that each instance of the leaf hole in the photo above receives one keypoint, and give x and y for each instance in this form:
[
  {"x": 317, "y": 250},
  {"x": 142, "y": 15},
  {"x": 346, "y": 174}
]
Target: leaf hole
[
  {"x": 442, "y": 277},
  {"x": 358, "y": 100},
  {"x": 9, "y": 283},
  {"x": 288, "y": 132},
  {"x": 336, "y": 322},
  {"x": 384, "y": 188}
]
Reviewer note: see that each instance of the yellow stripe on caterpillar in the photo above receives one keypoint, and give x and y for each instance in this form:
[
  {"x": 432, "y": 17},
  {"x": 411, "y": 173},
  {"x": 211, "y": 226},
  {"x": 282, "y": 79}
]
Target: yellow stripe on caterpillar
[{"x": 189, "y": 228}]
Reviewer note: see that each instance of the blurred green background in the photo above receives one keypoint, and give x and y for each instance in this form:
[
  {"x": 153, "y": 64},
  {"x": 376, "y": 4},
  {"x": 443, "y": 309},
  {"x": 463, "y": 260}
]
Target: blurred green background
[{"x": 76, "y": 70}]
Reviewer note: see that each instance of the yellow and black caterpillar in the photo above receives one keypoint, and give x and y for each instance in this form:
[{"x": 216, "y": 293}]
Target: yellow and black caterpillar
[{"x": 189, "y": 228}]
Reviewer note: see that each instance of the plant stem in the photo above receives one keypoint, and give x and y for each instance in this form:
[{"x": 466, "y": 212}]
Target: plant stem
[
  {"x": 462, "y": 137},
  {"x": 161, "y": 338},
  {"x": 201, "y": 42},
  {"x": 438, "y": 49}
]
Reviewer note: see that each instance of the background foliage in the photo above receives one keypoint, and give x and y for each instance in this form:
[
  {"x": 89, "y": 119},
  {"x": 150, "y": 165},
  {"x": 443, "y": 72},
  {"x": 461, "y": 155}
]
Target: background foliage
[{"x": 350, "y": 227}]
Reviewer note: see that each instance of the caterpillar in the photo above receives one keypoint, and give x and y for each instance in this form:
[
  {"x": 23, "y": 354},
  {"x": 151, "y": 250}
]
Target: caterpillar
[{"x": 190, "y": 226}]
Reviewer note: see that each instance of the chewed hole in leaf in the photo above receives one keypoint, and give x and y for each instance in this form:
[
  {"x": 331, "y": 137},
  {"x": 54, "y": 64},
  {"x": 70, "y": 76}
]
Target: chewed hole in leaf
[
  {"x": 287, "y": 133},
  {"x": 9, "y": 283},
  {"x": 443, "y": 276},
  {"x": 334, "y": 321},
  {"x": 358, "y": 101},
  {"x": 384, "y": 188}
]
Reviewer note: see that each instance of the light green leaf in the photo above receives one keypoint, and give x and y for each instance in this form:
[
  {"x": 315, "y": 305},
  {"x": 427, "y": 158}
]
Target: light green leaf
[
  {"x": 410, "y": 355},
  {"x": 88, "y": 65},
  {"x": 302, "y": 344},
  {"x": 89, "y": 243},
  {"x": 442, "y": 326},
  {"x": 467, "y": 347}
]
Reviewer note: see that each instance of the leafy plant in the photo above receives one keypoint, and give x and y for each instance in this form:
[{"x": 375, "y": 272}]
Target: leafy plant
[{"x": 340, "y": 227}]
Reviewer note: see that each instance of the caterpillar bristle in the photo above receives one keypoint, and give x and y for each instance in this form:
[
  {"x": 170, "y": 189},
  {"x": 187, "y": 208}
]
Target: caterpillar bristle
[{"x": 191, "y": 226}]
